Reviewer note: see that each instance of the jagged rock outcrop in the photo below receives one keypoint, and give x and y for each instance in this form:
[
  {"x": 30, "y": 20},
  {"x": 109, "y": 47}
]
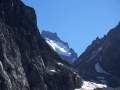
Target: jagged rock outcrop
[
  {"x": 26, "y": 61},
  {"x": 101, "y": 60},
  {"x": 61, "y": 47}
]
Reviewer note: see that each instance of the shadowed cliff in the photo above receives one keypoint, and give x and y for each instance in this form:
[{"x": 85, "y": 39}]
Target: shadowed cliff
[{"x": 26, "y": 61}]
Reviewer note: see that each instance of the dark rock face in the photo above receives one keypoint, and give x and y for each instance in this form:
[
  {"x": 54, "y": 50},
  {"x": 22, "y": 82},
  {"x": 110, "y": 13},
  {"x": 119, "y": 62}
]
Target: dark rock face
[
  {"x": 102, "y": 59},
  {"x": 26, "y": 61},
  {"x": 53, "y": 36}
]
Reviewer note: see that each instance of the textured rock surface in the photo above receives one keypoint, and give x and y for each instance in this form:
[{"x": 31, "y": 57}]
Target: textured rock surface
[
  {"x": 53, "y": 36},
  {"x": 26, "y": 61},
  {"x": 102, "y": 53}
]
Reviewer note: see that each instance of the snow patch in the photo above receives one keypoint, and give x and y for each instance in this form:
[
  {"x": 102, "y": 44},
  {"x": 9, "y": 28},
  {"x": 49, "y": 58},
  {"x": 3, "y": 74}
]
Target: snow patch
[
  {"x": 99, "y": 69},
  {"x": 79, "y": 61},
  {"x": 52, "y": 70},
  {"x": 99, "y": 49},
  {"x": 76, "y": 74},
  {"x": 92, "y": 57},
  {"x": 60, "y": 64},
  {"x": 87, "y": 85},
  {"x": 59, "y": 47},
  {"x": 1, "y": 65},
  {"x": 94, "y": 54}
]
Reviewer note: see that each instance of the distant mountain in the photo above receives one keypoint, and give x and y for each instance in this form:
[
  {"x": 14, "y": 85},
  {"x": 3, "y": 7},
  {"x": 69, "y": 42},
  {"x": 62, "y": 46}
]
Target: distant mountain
[
  {"x": 59, "y": 46},
  {"x": 26, "y": 61},
  {"x": 101, "y": 60}
]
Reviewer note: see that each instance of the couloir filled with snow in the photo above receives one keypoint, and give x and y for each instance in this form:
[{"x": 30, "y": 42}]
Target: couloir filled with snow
[
  {"x": 59, "y": 47},
  {"x": 99, "y": 69},
  {"x": 87, "y": 85}
]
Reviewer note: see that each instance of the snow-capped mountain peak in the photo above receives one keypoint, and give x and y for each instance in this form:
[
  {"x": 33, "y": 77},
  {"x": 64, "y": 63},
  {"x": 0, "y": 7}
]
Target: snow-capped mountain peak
[{"x": 59, "y": 46}]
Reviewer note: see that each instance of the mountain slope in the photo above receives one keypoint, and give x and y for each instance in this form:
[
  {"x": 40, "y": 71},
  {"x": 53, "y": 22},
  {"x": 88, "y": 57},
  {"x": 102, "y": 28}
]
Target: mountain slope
[
  {"x": 26, "y": 61},
  {"x": 62, "y": 48},
  {"x": 101, "y": 60}
]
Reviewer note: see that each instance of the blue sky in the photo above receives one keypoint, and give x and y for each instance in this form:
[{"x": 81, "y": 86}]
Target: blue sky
[{"x": 77, "y": 22}]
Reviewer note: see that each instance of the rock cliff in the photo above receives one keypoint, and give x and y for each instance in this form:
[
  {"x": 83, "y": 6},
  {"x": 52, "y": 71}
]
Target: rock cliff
[
  {"x": 26, "y": 61},
  {"x": 101, "y": 60}
]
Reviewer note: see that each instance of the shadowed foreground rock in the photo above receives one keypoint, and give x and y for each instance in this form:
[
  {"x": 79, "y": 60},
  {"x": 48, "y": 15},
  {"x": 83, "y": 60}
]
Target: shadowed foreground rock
[{"x": 26, "y": 61}]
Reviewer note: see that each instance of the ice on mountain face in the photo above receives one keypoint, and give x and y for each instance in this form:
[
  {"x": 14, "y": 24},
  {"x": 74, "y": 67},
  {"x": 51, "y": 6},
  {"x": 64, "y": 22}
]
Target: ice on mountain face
[
  {"x": 99, "y": 69},
  {"x": 59, "y": 47},
  {"x": 76, "y": 74},
  {"x": 99, "y": 49},
  {"x": 60, "y": 64},
  {"x": 94, "y": 53},
  {"x": 52, "y": 70},
  {"x": 87, "y": 85},
  {"x": 79, "y": 60},
  {"x": 91, "y": 53},
  {"x": 91, "y": 57}
]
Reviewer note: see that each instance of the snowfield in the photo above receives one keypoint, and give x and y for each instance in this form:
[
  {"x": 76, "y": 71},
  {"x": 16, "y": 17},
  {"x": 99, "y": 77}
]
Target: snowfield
[
  {"x": 59, "y": 47},
  {"x": 99, "y": 69},
  {"x": 87, "y": 85}
]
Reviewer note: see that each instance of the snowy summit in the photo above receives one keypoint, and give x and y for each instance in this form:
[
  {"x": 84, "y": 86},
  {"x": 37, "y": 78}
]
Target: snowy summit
[{"x": 59, "y": 46}]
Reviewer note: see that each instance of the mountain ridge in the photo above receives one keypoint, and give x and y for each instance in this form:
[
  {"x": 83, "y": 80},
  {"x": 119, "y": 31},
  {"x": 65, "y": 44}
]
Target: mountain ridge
[
  {"x": 61, "y": 47},
  {"x": 101, "y": 59}
]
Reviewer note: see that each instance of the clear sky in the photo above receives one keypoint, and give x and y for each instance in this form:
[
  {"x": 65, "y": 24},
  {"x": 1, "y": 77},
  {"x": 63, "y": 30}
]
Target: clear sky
[{"x": 77, "y": 22}]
